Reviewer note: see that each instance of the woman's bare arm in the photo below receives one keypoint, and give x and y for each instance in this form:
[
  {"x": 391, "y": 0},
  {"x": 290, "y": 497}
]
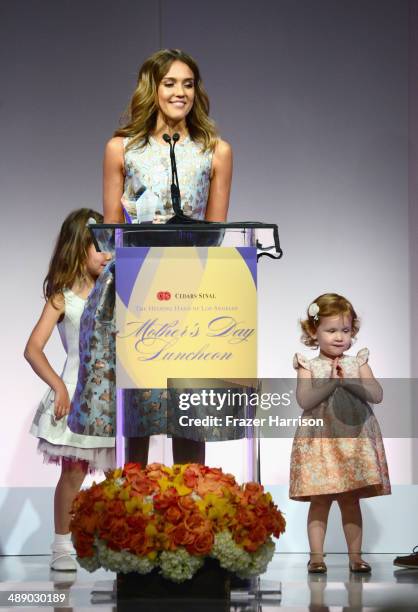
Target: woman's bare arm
[
  {"x": 113, "y": 179},
  {"x": 220, "y": 184}
]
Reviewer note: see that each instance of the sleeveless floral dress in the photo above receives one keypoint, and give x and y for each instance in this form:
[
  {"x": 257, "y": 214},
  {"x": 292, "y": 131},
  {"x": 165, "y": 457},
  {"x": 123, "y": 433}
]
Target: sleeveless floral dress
[
  {"x": 348, "y": 454},
  {"x": 146, "y": 198},
  {"x": 147, "y": 194}
]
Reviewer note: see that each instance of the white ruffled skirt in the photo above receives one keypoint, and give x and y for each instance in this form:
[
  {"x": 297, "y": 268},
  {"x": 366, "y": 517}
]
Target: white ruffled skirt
[{"x": 57, "y": 442}]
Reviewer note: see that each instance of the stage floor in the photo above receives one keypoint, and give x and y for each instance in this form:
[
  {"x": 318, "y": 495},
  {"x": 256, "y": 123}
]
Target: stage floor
[{"x": 387, "y": 588}]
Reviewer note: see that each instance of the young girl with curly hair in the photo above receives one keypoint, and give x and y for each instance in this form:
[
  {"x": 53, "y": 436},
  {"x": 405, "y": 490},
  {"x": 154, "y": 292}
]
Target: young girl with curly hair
[{"x": 343, "y": 457}]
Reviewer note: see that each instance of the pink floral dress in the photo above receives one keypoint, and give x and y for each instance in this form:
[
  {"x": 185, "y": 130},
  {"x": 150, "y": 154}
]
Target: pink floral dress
[{"x": 347, "y": 454}]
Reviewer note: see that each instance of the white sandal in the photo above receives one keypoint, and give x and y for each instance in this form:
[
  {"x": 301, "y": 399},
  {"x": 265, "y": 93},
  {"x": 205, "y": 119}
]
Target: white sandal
[{"x": 61, "y": 559}]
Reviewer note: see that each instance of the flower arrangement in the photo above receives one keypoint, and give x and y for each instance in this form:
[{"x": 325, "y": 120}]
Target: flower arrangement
[{"x": 170, "y": 519}]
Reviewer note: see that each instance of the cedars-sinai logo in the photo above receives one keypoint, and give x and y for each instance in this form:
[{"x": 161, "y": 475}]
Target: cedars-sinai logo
[{"x": 163, "y": 296}]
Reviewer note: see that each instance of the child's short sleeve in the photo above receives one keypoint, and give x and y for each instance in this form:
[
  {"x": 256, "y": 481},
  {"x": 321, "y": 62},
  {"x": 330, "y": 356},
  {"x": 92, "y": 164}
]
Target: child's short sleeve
[
  {"x": 299, "y": 361},
  {"x": 362, "y": 356}
]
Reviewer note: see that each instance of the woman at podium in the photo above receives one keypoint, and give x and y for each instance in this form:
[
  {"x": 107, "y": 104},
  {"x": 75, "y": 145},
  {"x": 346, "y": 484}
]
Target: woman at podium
[
  {"x": 168, "y": 105},
  {"x": 169, "y": 100}
]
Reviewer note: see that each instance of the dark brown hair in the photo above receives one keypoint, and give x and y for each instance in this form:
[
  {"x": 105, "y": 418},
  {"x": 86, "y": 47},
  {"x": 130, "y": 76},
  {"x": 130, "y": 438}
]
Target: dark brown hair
[{"x": 70, "y": 253}]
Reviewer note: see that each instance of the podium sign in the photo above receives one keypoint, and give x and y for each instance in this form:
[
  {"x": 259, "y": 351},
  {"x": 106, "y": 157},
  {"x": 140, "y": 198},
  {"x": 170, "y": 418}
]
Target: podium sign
[{"x": 185, "y": 312}]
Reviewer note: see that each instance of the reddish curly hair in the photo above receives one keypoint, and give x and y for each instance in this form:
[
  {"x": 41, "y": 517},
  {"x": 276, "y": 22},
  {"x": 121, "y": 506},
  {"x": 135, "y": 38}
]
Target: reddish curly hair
[{"x": 330, "y": 305}]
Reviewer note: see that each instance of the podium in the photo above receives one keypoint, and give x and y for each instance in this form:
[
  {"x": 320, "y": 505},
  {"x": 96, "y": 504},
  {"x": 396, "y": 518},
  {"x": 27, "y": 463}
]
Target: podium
[
  {"x": 185, "y": 341},
  {"x": 186, "y": 320}
]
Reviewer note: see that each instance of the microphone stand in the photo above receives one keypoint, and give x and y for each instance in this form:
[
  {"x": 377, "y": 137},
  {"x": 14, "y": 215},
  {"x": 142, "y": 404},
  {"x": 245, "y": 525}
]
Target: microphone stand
[
  {"x": 175, "y": 188},
  {"x": 179, "y": 216}
]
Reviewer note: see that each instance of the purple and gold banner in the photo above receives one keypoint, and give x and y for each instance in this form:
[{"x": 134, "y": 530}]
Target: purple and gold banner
[{"x": 185, "y": 312}]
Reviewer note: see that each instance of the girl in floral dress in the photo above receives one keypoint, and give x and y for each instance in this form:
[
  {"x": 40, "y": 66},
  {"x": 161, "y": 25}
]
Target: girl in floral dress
[
  {"x": 344, "y": 458},
  {"x": 75, "y": 265}
]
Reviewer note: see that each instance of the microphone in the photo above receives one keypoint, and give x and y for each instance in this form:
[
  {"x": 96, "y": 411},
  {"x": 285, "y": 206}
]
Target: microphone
[{"x": 175, "y": 187}]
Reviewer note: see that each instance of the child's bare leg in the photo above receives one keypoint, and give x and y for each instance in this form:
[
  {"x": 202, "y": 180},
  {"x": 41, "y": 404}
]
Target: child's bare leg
[
  {"x": 352, "y": 521},
  {"x": 317, "y": 525},
  {"x": 69, "y": 484}
]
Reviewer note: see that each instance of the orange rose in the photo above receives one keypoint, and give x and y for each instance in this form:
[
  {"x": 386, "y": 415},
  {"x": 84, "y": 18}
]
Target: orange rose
[
  {"x": 116, "y": 508},
  {"x": 88, "y": 522},
  {"x": 119, "y": 536},
  {"x": 182, "y": 536},
  {"x": 252, "y": 492},
  {"x": 191, "y": 476},
  {"x": 155, "y": 471},
  {"x": 245, "y": 517},
  {"x": 258, "y": 534},
  {"x": 141, "y": 485},
  {"x": 105, "y": 524},
  {"x": 166, "y": 499},
  {"x": 194, "y": 521},
  {"x": 202, "y": 544},
  {"x": 279, "y": 525},
  {"x": 174, "y": 515},
  {"x": 210, "y": 486},
  {"x": 85, "y": 548},
  {"x": 131, "y": 470},
  {"x": 186, "y": 503},
  {"x": 137, "y": 543},
  {"x": 136, "y": 522}
]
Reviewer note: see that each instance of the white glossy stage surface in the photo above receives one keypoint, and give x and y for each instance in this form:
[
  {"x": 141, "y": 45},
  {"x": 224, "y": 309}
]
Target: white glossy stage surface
[{"x": 387, "y": 588}]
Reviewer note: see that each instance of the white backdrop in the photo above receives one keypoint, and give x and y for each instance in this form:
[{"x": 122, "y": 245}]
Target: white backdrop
[{"x": 313, "y": 98}]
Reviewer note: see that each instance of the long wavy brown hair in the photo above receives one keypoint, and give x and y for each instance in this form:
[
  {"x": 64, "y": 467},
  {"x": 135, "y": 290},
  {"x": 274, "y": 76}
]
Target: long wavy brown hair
[
  {"x": 140, "y": 117},
  {"x": 68, "y": 260}
]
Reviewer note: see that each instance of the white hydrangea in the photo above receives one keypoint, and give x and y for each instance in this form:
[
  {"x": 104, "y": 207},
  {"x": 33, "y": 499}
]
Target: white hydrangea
[
  {"x": 179, "y": 565},
  {"x": 91, "y": 564},
  {"x": 230, "y": 556},
  {"x": 123, "y": 561},
  {"x": 259, "y": 560}
]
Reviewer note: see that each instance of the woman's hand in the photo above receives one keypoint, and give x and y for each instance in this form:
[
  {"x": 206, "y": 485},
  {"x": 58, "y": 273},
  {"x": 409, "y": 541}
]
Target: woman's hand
[{"x": 62, "y": 401}]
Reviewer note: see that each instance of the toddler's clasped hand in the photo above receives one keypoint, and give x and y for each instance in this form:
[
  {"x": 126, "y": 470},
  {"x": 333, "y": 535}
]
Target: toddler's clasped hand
[{"x": 337, "y": 371}]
